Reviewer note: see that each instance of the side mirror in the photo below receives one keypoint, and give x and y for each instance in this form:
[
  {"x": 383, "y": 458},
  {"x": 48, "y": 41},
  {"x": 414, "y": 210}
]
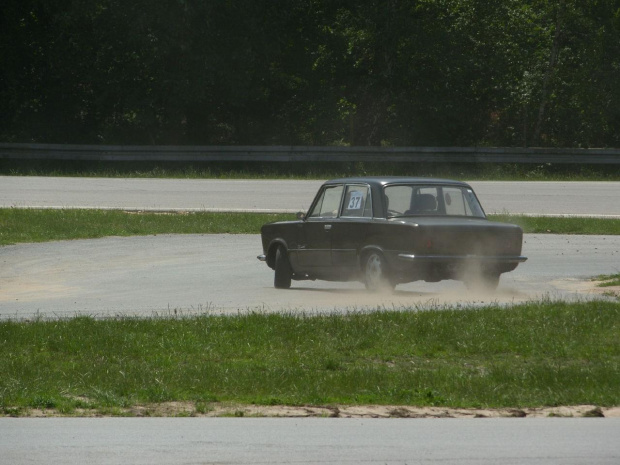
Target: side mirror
[{"x": 300, "y": 215}]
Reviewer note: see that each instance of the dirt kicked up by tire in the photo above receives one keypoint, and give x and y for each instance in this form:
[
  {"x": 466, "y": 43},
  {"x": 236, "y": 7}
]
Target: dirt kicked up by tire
[{"x": 482, "y": 282}]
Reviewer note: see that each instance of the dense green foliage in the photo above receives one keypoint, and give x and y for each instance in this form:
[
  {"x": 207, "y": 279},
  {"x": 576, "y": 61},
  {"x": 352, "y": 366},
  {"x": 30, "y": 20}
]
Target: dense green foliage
[
  {"x": 315, "y": 72},
  {"x": 535, "y": 354}
]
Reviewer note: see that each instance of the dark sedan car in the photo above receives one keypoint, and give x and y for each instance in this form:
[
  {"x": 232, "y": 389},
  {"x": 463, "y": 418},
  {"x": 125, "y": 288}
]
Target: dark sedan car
[{"x": 387, "y": 230}]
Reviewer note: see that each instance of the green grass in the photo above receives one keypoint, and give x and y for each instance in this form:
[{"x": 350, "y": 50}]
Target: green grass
[
  {"x": 562, "y": 225},
  {"x": 313, "y": 170},
  {"x": 24, "y": 225},
  {"x": 536, "y": 354},
  {"x": 18, "y": 225},
  {"x": 608, "y": 280}
]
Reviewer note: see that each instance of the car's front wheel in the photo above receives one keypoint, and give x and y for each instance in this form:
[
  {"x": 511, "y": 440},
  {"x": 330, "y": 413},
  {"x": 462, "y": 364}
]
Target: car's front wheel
[
  {"x": 282, "y": 279},
  {"x": 376, "y": 273}
]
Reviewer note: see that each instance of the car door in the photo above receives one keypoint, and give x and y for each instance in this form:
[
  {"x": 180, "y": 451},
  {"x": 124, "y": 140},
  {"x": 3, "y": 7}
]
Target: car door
[
  {"x": 315, "y": 241},
  {"x": 349, "y": 231}
]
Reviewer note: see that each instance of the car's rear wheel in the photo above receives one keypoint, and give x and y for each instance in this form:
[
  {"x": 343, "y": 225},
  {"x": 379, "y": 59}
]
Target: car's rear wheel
[
  {"x": 282, "y": 279},
  {"x": 376, "y": 273}
]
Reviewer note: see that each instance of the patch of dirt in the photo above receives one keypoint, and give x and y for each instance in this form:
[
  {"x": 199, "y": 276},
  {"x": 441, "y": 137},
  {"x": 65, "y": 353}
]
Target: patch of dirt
[{"x": 190, "y": 409}]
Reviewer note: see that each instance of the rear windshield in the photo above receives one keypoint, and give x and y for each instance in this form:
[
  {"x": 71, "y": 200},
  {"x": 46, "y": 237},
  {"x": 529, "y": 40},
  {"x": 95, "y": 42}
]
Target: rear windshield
[{"x": 420, "y": 200}]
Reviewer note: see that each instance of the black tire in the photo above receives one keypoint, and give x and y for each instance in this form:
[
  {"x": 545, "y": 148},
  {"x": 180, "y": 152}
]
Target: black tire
[
  {"x": 282, "y": 279},
  {"x": 486, "y": 282},
  {"x": 376, "y": 273}
]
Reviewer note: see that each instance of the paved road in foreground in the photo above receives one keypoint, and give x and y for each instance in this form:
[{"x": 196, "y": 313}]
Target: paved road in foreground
[
  {"x": 154, "y": 441},
  {"x": 220, "y": 273},
  {"x": 546, "y": 198}
]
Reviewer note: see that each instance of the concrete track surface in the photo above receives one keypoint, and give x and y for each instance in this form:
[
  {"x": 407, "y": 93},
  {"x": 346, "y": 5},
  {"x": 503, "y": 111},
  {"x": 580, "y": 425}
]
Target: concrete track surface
[
  {"x": 154, "y": 441},
  {"x": 188, "y": 274}
]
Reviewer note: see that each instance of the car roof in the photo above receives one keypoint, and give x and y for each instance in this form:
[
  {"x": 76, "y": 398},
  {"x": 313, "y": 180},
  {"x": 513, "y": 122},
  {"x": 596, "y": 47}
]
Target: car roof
[{"x": 386, "y": 180}]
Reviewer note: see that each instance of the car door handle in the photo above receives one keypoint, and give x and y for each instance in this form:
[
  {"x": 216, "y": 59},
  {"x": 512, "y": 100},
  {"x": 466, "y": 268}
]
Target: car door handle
[{"x": 327, "y": 227}]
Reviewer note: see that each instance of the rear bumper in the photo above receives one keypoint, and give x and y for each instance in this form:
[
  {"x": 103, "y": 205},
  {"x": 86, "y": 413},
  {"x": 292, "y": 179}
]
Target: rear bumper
[
  {"x": 432, "y": 268},
  {"x": 462, "y": 258}
]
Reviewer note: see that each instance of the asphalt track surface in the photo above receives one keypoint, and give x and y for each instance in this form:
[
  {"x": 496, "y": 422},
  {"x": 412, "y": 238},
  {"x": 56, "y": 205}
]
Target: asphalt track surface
[
  {"x": 155, "y": 441},
  {"x": 196, "y": 274},
  {"x": 532, "y": 198}
]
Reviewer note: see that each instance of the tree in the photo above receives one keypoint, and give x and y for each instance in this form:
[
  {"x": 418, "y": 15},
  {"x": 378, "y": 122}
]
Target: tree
[{"x": 312, "y": 72}]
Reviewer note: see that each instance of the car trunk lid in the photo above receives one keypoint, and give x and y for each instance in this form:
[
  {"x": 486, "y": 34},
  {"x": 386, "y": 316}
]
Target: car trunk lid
[{"x": 464, "y": 236}]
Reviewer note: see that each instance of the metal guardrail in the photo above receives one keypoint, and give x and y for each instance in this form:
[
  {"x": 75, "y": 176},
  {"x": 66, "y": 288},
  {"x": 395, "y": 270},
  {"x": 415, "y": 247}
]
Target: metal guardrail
[{"x": 307, "y": 154}]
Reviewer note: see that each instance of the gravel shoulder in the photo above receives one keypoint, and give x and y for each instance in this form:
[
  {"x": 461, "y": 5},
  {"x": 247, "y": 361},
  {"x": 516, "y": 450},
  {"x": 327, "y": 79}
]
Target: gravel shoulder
[{"x": 190, "y": 409}]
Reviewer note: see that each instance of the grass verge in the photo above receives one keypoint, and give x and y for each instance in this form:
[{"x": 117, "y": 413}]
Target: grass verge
[
  {"x": 535, "y": 354},
  {"x": 608, "y": 280},
  {"x": 611, "y": 282},
  {"x": 562, "y": 225},
  {"x": 17, "y": 225}
]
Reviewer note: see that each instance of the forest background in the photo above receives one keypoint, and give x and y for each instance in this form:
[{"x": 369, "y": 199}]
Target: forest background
[{"x": 311, "y": 72}]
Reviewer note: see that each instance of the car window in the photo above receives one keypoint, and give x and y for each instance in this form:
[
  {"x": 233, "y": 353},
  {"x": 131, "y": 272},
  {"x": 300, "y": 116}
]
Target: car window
[
  {"x": 424, "y": 201},
  {"x": 472, "y": 202},
  {"x": 419, "y": 200},
  {"x": 398, "y": 199},
  {"x": 328, "y": 204},
  {"x": 357, "y": 202},
  {"x": 455, "y": 202}
]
